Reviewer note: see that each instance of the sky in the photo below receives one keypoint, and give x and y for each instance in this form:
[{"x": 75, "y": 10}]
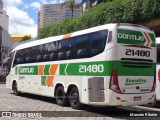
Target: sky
[{"x": 23, "y": 15}]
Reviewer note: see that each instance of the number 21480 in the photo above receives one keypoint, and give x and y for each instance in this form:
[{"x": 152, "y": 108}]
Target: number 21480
[
  {"x": 142, "y": 53},
  {"x": 91, "y": 68}
]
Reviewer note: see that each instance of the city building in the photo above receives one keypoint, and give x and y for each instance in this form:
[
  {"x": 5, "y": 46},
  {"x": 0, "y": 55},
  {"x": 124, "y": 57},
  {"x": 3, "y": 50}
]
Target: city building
[
  {"x": 55, "y": 13},
  {"x": 5, "y": 39},
  {"x": 4, "y": 18},
  {"x": 5, "y": 44},
  {"x": 19, "y": 37}
]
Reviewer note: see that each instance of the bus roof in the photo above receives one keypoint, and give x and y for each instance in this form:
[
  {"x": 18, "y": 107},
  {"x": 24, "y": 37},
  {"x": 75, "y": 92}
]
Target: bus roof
[{"x": 55, "y": 38}]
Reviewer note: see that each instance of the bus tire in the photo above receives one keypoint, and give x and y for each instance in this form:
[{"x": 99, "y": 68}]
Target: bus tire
[
  {"x": 155, "y": 103},
  {"x": 15, "y": 90},
  {"x": 60, "y": 96},
  {"x": 74, "y": 98}
]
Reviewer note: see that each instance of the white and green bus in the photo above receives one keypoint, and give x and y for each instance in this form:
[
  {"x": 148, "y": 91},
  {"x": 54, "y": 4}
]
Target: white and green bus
[
  {"x": 107, "y": 65},
  {"x": 157, "y": 97}
]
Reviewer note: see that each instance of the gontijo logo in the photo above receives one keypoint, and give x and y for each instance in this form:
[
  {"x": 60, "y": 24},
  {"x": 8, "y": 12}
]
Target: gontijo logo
[
  {"x": 131, "y": 37},
  {"x": 135, "y": 37},
  {"x": 26, "y": 70}
]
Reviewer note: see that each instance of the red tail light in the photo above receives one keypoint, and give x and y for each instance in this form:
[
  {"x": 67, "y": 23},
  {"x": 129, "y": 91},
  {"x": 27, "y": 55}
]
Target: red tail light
[
  {"x": 154, "y": 83},
  {"x": 118, "y": 24},
  {"x": 159, "y": 75},
  {"x": 114, "y": 82}
]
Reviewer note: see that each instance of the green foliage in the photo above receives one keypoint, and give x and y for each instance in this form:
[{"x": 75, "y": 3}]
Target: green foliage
[
  {"x": 131, "y": 11},
  {"x": 26, "y": 38}
]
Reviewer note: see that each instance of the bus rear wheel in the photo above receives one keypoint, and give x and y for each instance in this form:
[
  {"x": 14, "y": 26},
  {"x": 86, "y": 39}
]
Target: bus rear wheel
[
  {"x": 156, "y": 103},
  {"x": 60, "y": 96},
  {"x": 15, "y": 90},
  {"x": 74, "y": 98}
]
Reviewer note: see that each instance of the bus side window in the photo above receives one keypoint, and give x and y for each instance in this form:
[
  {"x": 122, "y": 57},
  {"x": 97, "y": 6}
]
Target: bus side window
[
  {"x": 17, "y": 59},
  {"x": 109, "y": 37},
  {"x": 36, "y": 53},
  {"x": 81, "y": 46},
  {"x": 26, "y": 54},
  {"x": 158, "y": 53},
  {"x": 98, "y": 42},
  {"x": 64, "y": 49},
  {"x": 52, "y": 49},
  {"x": 9, "y": 62},
  {"x": 23, "y": 55},
  {"x": 45, "y": 52}
]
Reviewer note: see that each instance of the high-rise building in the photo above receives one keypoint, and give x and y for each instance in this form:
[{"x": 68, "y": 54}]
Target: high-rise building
[
  {"x": 55, "y": 13},
  {"x": 4, "y": 18},
  {"x": 5, "y": 39},
  {"x": 5, "y": 44}
]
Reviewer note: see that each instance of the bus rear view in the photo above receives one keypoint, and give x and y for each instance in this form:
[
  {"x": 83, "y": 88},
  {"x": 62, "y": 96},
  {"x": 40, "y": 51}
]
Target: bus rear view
[{"x": 132, "y": 80}]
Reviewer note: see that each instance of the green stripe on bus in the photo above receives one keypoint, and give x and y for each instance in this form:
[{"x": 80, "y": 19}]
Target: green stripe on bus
[
  {"x": 62, "y": 69},
  {"x": 100, "y": 68},
  {"x": 91, "y": 69},
  {"x": 46, "y": 70},
  {"x": 43, "y": 80}
]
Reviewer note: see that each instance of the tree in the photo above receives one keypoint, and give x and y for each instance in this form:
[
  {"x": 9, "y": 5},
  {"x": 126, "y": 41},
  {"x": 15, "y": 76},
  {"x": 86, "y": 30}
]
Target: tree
[
  {"x": 26, "y": 38},
  {"x": 90, "y": 3}
]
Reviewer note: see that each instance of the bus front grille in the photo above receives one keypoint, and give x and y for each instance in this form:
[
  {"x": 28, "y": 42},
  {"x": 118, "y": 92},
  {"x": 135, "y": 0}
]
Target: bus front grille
[{"x": 136, "y": 63}]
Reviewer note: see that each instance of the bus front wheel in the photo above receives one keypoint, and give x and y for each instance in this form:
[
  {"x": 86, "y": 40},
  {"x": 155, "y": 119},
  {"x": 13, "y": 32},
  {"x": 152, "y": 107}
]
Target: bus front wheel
[
  {"x": 60, "y": 96},
  {"x": 74, "y": 98},
  {"x": 15, "y": 90}
]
